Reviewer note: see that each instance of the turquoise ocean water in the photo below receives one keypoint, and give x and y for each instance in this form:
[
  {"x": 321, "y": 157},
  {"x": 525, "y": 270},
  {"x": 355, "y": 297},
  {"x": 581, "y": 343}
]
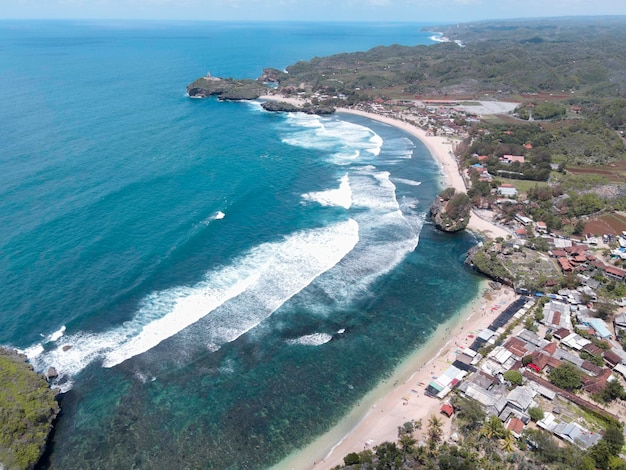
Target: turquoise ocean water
[{"x": 216, "y": 285}]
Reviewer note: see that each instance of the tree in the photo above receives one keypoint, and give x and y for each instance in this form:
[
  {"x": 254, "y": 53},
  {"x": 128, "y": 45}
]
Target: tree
[
  {"x": 601, "y": 453},
  {"x": 508, "y": 441},
  {"x": 536, "y": 414},
  {"x": 530, "y": 325},
  {"x": 566, "y": 376},
  {"x": 614, "y": 438},
  {"x": 527, "y": 359},
  {"x": 351, "y": 459},
  {"x": 493, "y": 428},
  {"x": 406, "y": 441},
  {"x": 469, "y": 413},
  {"x": 434, "y": 431},
  {"x": 579, "y": 227},
  {"x": 514, "y": 376},
  {"x": 604, "y": 310},
  {"x": 388, "y": 455}
]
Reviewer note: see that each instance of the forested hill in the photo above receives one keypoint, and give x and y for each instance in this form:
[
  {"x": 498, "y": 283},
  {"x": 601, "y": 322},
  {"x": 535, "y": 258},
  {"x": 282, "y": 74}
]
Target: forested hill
[{"x": 574, "y": 56}]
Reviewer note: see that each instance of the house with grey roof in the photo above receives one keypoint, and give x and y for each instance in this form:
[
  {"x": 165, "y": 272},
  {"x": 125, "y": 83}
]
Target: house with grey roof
[
  {"x": 557, "y": 315},
  {"x": 619, "y": 322},
  {"x": 570, "y": 432}
]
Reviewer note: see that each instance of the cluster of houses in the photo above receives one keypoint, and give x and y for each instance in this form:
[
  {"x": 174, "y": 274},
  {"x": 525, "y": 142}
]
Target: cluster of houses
[
  {"x": 482, "y": 378},
  {"x": 437, "y": 116},
  {"x": 579, "y": 259}
]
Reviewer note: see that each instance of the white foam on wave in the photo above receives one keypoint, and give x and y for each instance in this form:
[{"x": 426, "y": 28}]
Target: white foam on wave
[
  {"x": 388, "y": 232},
  {"x": 406, "y": 181},
  {"x": 387, "y": 235},
  {"x": 315, "y": 339},
  {"x": 272, "y": 272},
  {"x": 57, "y": 334},
  {"x": 341, "y": 197},
  {"x": 264, "y": 278},
  {"x": 345, "y": 141},
  {"x": 216, "y": 216}
]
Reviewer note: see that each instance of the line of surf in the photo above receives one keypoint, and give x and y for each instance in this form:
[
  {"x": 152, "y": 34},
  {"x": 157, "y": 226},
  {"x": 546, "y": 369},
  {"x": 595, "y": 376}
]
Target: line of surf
[{"x": 265, "y": 273}]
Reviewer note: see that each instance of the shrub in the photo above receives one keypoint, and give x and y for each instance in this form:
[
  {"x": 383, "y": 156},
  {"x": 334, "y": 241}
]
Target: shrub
[
  {"x": 514, "y": 376},
  {"x": 536, "y": 414}
]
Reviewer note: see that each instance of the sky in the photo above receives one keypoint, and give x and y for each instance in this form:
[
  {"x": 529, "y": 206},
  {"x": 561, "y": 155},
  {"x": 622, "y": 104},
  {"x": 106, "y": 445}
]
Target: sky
[{"x": 420, "y": 11}]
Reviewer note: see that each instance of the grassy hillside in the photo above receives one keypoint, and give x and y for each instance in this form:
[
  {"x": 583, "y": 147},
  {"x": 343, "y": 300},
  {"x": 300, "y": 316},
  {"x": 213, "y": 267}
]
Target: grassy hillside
[{"x": 27, "y": 409}]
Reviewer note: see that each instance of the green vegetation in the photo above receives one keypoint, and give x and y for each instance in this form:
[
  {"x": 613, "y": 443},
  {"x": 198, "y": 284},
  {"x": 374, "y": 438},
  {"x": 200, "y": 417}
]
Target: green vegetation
[
  {"x": 451, "y": 210},
  {"x": 227, "y": 89},
  {"x": 540, "y": 111},
  {"x": 27, "y": 409},
  {"x": 539, "y": 56},
  {"x": 485, "y": 443},
  {"x": 514, "y": 377},
  {"x": 536, "y": 414},
  {"x": 566, "y": 376},
  {"x": 611, "y": 392}
]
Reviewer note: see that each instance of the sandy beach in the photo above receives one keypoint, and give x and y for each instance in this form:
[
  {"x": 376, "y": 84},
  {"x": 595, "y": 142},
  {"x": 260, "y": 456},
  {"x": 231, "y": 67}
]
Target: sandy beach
[
  {"x": 401, "y": 398},
  {"x": 442, "y": 150}
]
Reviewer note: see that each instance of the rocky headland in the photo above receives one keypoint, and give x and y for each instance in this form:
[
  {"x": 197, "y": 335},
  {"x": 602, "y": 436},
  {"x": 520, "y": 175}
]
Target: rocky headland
[
  {"x": 226, "y": 88},
  {"x": 282, "y": 106},
  {"x": 450, "y": 211}
]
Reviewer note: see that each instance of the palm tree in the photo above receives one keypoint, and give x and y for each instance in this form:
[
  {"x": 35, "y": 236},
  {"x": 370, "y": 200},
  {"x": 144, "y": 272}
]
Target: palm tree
[
  {"x": 434, "y": 431},
  {"x": 492, "y": 428},
  {"x": 508, "y": 442},
  {"x": 406, "y": 442}
]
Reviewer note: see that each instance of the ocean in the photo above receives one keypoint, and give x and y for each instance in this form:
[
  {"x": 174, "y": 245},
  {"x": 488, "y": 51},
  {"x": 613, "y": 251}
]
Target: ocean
[{"x": 215, "y": 284}]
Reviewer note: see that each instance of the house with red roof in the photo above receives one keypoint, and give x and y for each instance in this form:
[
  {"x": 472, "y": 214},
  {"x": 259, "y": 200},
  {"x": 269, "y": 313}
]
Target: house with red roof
[
  {"x": 447, "y": 409},
  {"x": 565, "y": 265},
  {"x": 558, "y": 253},
  {"x": 516, "y": 426}
]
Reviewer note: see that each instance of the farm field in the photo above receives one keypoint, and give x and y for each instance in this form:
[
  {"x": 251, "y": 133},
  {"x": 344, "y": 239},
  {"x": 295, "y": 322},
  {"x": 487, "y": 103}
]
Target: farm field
[
  {"x": 610, "y": 224},
  {"x": 614, "y": 172}
]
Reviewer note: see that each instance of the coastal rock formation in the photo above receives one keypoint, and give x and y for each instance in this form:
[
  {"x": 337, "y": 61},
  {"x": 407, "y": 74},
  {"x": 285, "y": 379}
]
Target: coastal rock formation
[
  {"x": 52, "y": 373},
  {"x": 271, "y": 75},
  {"x": 279, "y": 106},
  {"x": 28, "y": 411},
  {"x": 226, "y": 88},
  {"x": 450, "y": 211}
]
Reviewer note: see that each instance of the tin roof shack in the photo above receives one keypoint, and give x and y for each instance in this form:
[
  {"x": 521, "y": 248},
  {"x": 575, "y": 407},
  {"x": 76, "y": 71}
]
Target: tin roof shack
[
  {"x": 612, "y": 359},
  {"x": 499, "y": 361},
  {"x": 439, "y": 387},
  {"x": 517, "y": 403},
  {"x": 570, "y": 432},
  {"x": 557, "y": 315},
  {"x": 619, "y": 322},
  {"x": 601, "y": 331},
  {"x": 574, "y": 341}
]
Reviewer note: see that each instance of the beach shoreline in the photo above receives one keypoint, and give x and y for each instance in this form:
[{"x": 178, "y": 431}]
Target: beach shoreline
[
  {"x": 400, "y": 398},
  {"x": 441, "y": 149}
]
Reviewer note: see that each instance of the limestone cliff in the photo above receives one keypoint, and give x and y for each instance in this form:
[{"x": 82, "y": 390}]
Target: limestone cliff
[
  {"x": 450, "y": 211},
  {"x": 226, "y": 88}
]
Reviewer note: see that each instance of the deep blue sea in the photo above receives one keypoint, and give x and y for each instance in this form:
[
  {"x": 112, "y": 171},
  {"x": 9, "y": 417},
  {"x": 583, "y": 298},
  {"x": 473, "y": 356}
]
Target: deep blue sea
[{"x": 215, "y": 284}]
